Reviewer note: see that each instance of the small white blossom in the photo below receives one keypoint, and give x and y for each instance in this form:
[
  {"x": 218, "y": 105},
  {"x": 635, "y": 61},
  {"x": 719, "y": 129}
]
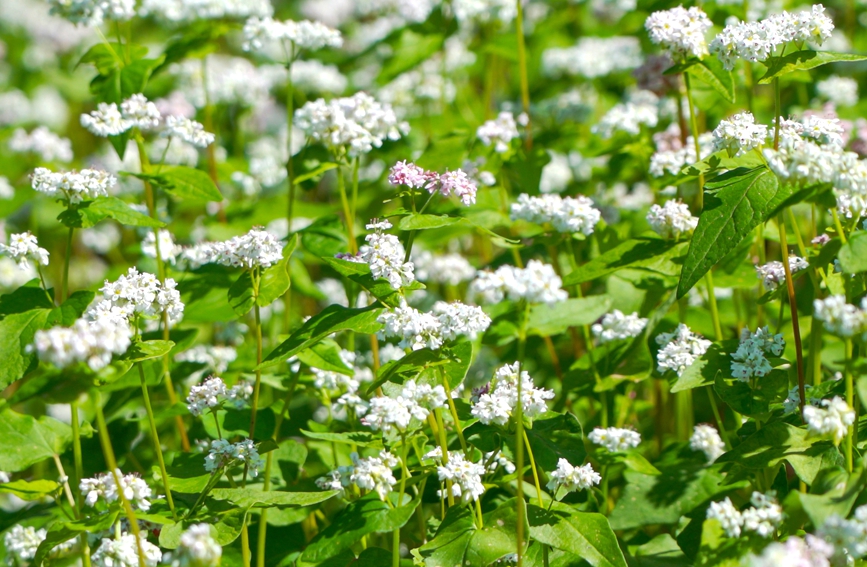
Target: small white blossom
[
  {"x": 206, "y": 395},
  {"x": 680, "y": 31},
  {"x": 672, "y": 220},
  {"x": 168, "y": 249},
  {"x": 123, "y": 552},
  {"x": 840, "y": 318},
  {"x": 680, "y": 349},
  {"x": 795, "y": 552},
  {"x": 371, "y": 473},
  {"x": 750, "y": 360},
  {"x": 499, "y": 132},
  {"x": 137, "y": 294},
  {"x": 739, "y": 134},
  {"x": 92, "y": 13},
  {"x": 537, "y": 283},
  {"x": 450, "y": 269},
  {"x": 104, "y": 487},
  {"x": 140, "y": 113},
  {"x": 73, "y": 187},
  {"x": 24, "y": 248},
  {"x": 573, "y": 478},
  {"x": 565, "y": 214},
  {"x": 446, "y": 322},
  {"x": 465, "y": 476},
  {"x": 832, "y": 420},
  {"x": 841, "y": 91},
  {"x": 197, "y": 549},
  {"x": 765, "y": 515},
  {"x": 189, "y": 131},
  {"x": 497, "y": 400},
  {"x": 615, "y": 439},
  {"x": 43, "y": 143},
  {"x": 304, "y": 34},
  {"x": 90, "y": 342},
  {"x": 848, "y": 538},
  {"x": 617, "y": 326},
  {"x": 223, "y": 454},
  {"x": 705, "y": 438},
  {"x": 640, "y": 109},
  {"x": 728, "y": 516},
  {"x": 773, "y": 273},
  {"x": 385, "y": 255}
]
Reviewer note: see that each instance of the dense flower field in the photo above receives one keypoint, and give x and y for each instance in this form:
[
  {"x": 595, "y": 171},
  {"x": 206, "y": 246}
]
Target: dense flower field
[{"x": 415, "y": 283}]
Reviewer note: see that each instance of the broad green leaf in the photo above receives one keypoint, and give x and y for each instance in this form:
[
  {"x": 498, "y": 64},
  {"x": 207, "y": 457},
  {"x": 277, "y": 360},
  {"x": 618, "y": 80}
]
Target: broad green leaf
[
  {"x": 447, "y": 152},
  {"x": 803, "y": 61},
  {"x": 585, "y": 534},
  {"x": 241, "y": 295},
  {"x": 71, "y": 309},
  {"x": 332, "y": 319},
  {"x": 225, "y": 530},
  {"x": 661, "y": 551},
  {"x": 364, "y": 516},
  {"x": 30, "y": 490},
  {"x": 120, "y": 83},
  {"x": 197, "y": 40},
  {"x": 28, "y": 297},
  {"x": 416, "y": 221},
  {"x": 547, "y": 320},
  {"x": 410, "y": 50},
  {"x": 147, "y": 350},
  {"x": 703, "y": 372},
  {"x": 16, "y": 334},
  {"x": 27, "y": 440},
  {"x": 325, "y": 355},
  {"x": 90, "y": 213},
  {"x": 275, "y": 280},
  {"x": 325, "y": 237},
  {"x": 184, "y": 182},
  {"x": 428, "y": 366},
  {"x": 744, "y": 399},
  {"x": 187, "y": 473},
  {"x": 735, "y": 203},
  {"x": 555, "y": 438},
  {"x": 249, "y": 497},
  {"x": 652, "y": 254},
  {"x": 65, "y": 531},
  {"x": 315, "y": 172},
  {"x": 853, "y": 254},
  {"x": 718, "y": 549},
  {"x": 711, "y": 72},
  {"x": 359, "y": 438},
  {"x": 379, "y": 288},
  {"x": 109, "y": 56}
]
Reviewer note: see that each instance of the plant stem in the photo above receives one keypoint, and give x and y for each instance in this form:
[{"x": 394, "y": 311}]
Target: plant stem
[
  {"x": 64, "y": 294},
  {"x": 411, "y": 236},
  {"x": 793, "y": 307},
  {"x": 519, "y": 432},
  {"x": 850, "y": 399},
  {"x": 699, "y": 201},
  {"x": 156, "y": 441},
  {"x": 522, "y": 66},
  {"x": 714, "y": 311},
  {"x": 535, "y": 471},
  {"x": 718, "y": 417},
  {"x": 254, "y": 406},
  {"x": 776, "y": 113},
  {"x": 77, "y": 466},
  {"x": 347, "y": 214}
]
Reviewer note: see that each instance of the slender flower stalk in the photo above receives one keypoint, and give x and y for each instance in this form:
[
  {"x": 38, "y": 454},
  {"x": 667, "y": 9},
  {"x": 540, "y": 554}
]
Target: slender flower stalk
[
  {"x": 850, "y": 400},
  {"x": 524, "y": 312},
  {"x": 78, "y": 468},
  {"x": 522, "y": 65},
  {"x": 347, "y": 212},
  {"x": 156, "y": 441}
]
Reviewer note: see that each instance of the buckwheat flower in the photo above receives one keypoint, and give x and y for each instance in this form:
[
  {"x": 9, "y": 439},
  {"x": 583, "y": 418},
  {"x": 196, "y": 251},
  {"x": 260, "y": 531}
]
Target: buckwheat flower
[
  {"x": 537, "y": 283},
  {"x": 206, "y": 395},
  {"x": 808, "y": 552},
  {"x": 415, "y": 329},
  {"x": 216, "y": 358},
  {"x": 499, "y": 132},
  {"x": 739, "y": 134},
  {"x": 465, "y": 476},
  {"x": 389, "y": 414},
  {"x": 73, "y": 187},
  {"x": 680, "y": 348},
  {"x": 140, "y": 113},
  {"x": 197, "y": 549},
  {"x": 571, "y": 478},
  {"x": 615, "y": 439},
  {"x": 104, "y": 487},
  {"x": 385, "y": 255},
  {"x": 336, "y": 381},
  {"x": 181, "y": 11},
  {"x": 824, "y": 130},
  {"x": 409, "y": 174},
  {"x": 256, "y": 249},
  {"x": 188, "y": 130},
  {"x": 841, "y": 91},
  {"x": 832, "y": 420},
  {"x": 238, "y": 395},
  {"x": 449, "y": 269},
  {"x": 640, "y": 109},
  {"x": 497, "y": 461},
  {"x": 672, "y": 220},
  {"x": 617, "y": 326},
  {"x": 138, "y": 293},
  {"x": 123, "y": 552},
  {"x": 89, "y": 342},
  {"x": 848, "y": 538},
  {"x": 840, "y": 318},
  {"x": 565, "y": 214},
  {"x": 374, "y": 473},
  {"x": 750, "y": 359},
  {"x": 426, "y": 397},
  {"x": 457, "y": 182},
  {"x": 623, "y": 53},
  {"x": 304, "y": 34},
  {"x": 500, "y": 398},
  {"x": 223, "y": 454},
  {"x": 728, "y": 516},
  {"x": 672, "y": 159},
  {"x": 457, "y": 320},
  {"x": 168, "y": 249},
  {"x": 41, "y": 142},
  {"x": 24, "y": 248},
  {"x": 706, "y": 438},
  {"x": 773, "y": 273},
  {"x": 21, "y": 544},
  {"x": 106, "y": 120},
  {"x": 765, "y": 516},
  {"x": 680, "y": 31}
]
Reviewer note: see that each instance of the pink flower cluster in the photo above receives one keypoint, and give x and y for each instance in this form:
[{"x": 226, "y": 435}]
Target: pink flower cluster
[{"x": 415, "y": 177}]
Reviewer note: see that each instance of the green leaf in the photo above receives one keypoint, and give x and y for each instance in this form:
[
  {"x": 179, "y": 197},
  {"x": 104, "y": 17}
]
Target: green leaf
[
  {"x": 332, "y": 319},
  {"x": 585, "y": 534},
  {"x": 315, "y": 172},
  {"x": 410, "y": 49},
  {"x": 30, "y": 490},
  {"x": 448, "y": 152},
  {"x": 120, "y": 83},
  {"x": 255, "y": 497},
  {"x": 661, "y": 551},
  {"x": 28, "y": 297},
  {"x": 325, "y": 237},
  {"x": 325, "y": 355},
  {"x": 187, "y": 473},
  {"x": 555, "y": 438},
  {"x": 742, "y": 398},
  {"x": 379, "y": 288},
  {"x": 853, "y": 254},
  {"x": 365, "y": 516},
  {"x": 735, "y": 203},
  {"x": 803, "y": 61},
  {"x": 107, "y": 57},
  {"x": 275, "y": 280},
  {"x": 16, "y": 334},
  {"x": 360, "y": 438},
  {"x": 416, "y": 221},
  {"x": 65, "y": 531},
  {"x": 90, "y": 213},
  {"x": 407, "y": 367},
  {"x": 147, "y": 350},
  {"x": 185, "y": 182},
  {"x": 71, "y": 309},
  {"x": 27, "y": 440},
  {"x": 651, "y": 254},
  {"x": 547, "y": 320},
  {"x": 703, "y": 372},
  {"x": 241, "y": 295},
  {"x": 459, "y": 542},
  {"x": 711, "y": 72}
]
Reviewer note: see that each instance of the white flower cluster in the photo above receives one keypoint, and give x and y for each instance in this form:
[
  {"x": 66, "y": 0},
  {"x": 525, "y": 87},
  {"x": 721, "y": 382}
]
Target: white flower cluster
[
  {"x": 73, "y": 186},
  {"x": 316, "y": 77},
  {"x": 371, "y": 473},
  {"x": 756, "y": 41},
  {"x": 833, "y": 419},
  {"x": 825, "y": 131},
  {"x": 188, "y": 130},
  {"x": 331, "y": 381},
  {"x": 750, "y": 360},
  {"x": 445, "y": 322},
  {"x": 256, "y": 249},
  {"x": 456, "y": 182},
  {"x": 92, "y": 13},
  {"x": 840, "y": 318},
  {"x": 123, "y": 552},
  {"x": 197, "y": 549},
  {"x": 213, "y": 392},
  {"x": 415, "y": 401},
  {"x": 672, "y": 220},
  {"x": 90, "y": 342},
  {"x": 500, "y": 131},
  {"x": 808, "y": 552},
  {"x": 672, "y": 160},
  {"x": 793, "y": 399},
  {"x": 680, "y": 31},
  {"x": 705, "y": 438},
  {"x": 465, "y": 476},
  {"x": 258, "y": 32},
  {"x": 498, "y": 399},
  {"x": 41, "y": 142},
  {"x": 24, "y": 248},
  {"x": 848, "y": 537},
  {"x": 137, "y": 293},
  {"x": 763, "y": 517},
  {"x": 566, "y": 214},
  {"x": 537, "y": 283},
  {"x": 216, "y": 358},
  {"x": 641, "y": 108},
  {"x": 618, "y": 326},
  {"x": 223, "y": 454},
  {"x": 615, "y": 439},
  {"x": 184, "y": 11},
  {"x": 223, "y": 79},
  {"x": 840, "y": 91},
  {"x": 21, "y": 543},
  {"x": 773, "y": 273},
  {"x": 449, "y": 269},
  {"x": 571, "y": 478},
  {"x": 110, "y": 120},
  {"x": 103, "y": 486},
  {"x": 680, "y": 349},
  {"x": 739, "y": 134},
  {"x": 621, "y": 54},
  {"x": 357, "y": 123},
  {"x": 469, "y": 11},
  {"x": 385, "y": 254},
  {"x": 169, "y": 250}
]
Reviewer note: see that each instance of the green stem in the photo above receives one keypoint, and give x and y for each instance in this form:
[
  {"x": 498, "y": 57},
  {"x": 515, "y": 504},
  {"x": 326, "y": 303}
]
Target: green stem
[
  {"x": 714, "y": 311},
  {"x": 776, "y": 113},
  {"x": 411, "y": 237},
  {"x": 354, "y": 202},
  {"x": 519, "y": 433},
  {"x": 347, "y": 213},
  {"x": 793, "y": 307},
  {"x": 699, "y": 202},
  {"x": 850, "y": 399},
  {"x": 533, "y": 468},
  {"x": 254, "y": 405},
  {"x": 718, "y": 417},
  {"x": 454, "y": 412},
  {"x": 77, "y": 465},
  {"x": 522, "y": 66},
  {"x": 156, "y": 441},
  {"x": 64, "y": 295}
]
